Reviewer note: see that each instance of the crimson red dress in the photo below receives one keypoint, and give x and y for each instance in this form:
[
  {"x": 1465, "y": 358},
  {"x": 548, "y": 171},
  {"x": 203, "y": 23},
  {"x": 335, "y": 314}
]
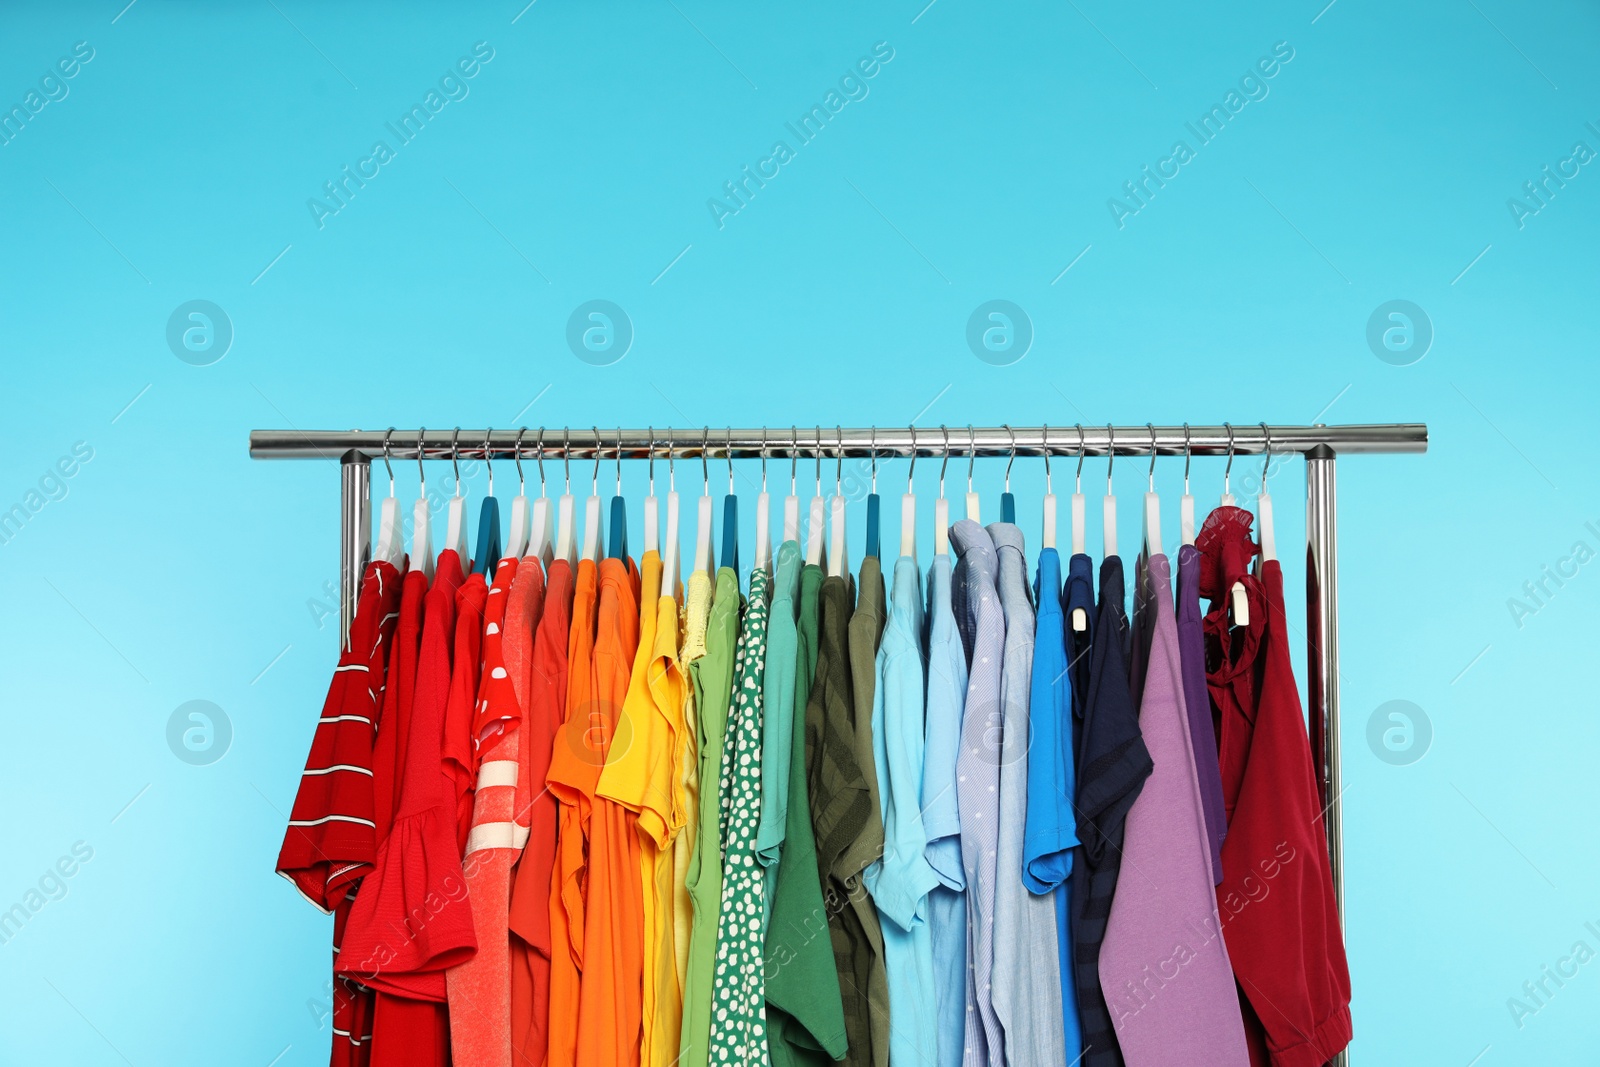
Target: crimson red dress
[
  {"x": 412, "y": 919},
  {"x": 330, "y": 843},
  {"x": 1276, "y": 897}
]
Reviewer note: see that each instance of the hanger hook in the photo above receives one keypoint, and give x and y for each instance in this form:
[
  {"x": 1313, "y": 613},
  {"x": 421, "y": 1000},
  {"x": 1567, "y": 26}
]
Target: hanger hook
[
  {"x": 672, "y": 462},
  {"x": 386, "y": 466},
  {"x": 1111, "y": 453},
  {"x": 818, "y": 453},
  {"x": 594, "y": 485},
  {"x": 650, "y": 451},
  {"x": 794, "y": 456},
  {"x": 705, "y": 464},
  {"x": 727, "y": 454},
  {"x": 522, "y": 485},
  {"x": 838, "y": 466},
  {"x": 1266, "y": 455},
  {"x": 872, "y": 453},
  {"x": 487, "y": 434},
  {"x": 422, "y": 475},
  {"x": 539, "y": 446},
  {"x": 1082, "y": 442},
  {"x": 763, "y": 459},
  {"x": 1227, "y": 471},
  {"x": 1154, "y": 452},
  {"x": 912, "y": 470},
  {"x": 946, "y": 461},
  {"x": 566, "y": 459},
  {"x": 1044, "y": 440},
  {"x": 619, "y": 460},
  {"x": 1187, "y": 456},
  {"x": 1013, "y": 457},
  {"x": 972, "y": 453},
  {"x": 455, "y": 457}
]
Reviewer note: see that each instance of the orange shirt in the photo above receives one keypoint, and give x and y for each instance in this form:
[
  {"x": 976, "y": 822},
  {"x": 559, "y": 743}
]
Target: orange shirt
[
  {"x": 610, "y": 1004},
  {"x": 572, "y": 777}
]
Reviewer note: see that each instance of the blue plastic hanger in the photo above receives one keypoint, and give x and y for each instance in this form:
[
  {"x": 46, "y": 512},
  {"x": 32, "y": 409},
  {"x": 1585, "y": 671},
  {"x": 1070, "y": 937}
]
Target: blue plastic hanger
[
  {"x": 1008, "y": 503},
  {"x": 487, "y": 557},
  {"x": 872, "y": 499},
  {"x": 619, "y": 511},
  {"x": 730, "y": 516}
]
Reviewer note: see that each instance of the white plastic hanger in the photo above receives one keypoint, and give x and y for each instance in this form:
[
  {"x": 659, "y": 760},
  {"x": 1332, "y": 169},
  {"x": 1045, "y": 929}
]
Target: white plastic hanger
[
  {"x": 908, "y": 507},
  {"x": 1048, "y": 536},
  {"x": 652, "y": 505},
  {"x": 972, "y": 458},
  {"x": 1080, "y": 616},
  {"x": 517, "y": 531},
  {"x": 1186, "y": 506},
  {"x": 941, "y": 506},
  {"x": 391, "y": 546},
  {"x": 669, "y": 546},
  {"x": 1152, "y": 504},
  {"x": 1108, "y": 510},
  {"x": 421, "y": 516},
  {"x": 455, "y": 536},
  {"x": 1269, "y": 542},
  {"x": 1240, "y": 601},
  {"x": 566, "y": 535},
  {"x": 763, "y": 514},
  {"x": 593, "y": 535},
  {"x": 791, "y": 503},
  {"x": 703, "y": 561},
  {"x": 814, "y": 546},
  {"x": 540, "y": 542},
  {"x": 839, "y": 553}
]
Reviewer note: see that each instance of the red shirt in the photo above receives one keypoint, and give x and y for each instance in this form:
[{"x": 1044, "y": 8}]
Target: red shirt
[
  {"x": 543, "y": 673},
  {"x": 1276, "y": 898},
  {"x": 330, "y": 842},
  {"x": 460, "y": 739},
  {"x": 412, "y": 919}
]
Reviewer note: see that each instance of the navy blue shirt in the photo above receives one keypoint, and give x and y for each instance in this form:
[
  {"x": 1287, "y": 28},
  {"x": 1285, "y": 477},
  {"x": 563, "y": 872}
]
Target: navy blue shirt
[{"x": 1113, "y": 764}]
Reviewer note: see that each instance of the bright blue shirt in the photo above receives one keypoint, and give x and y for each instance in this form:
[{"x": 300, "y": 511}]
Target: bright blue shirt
[
  {"x": 1052, "y": 824},
  {"x": 900, "y": 881},
  {"x": 941, "y": 818}
]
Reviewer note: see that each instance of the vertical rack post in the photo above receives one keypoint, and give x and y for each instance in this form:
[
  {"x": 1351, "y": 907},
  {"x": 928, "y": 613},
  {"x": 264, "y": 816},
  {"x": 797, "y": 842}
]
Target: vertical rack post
[
  {"x": 355, "y": 502},
  {"x": 1322, "y": 653}
]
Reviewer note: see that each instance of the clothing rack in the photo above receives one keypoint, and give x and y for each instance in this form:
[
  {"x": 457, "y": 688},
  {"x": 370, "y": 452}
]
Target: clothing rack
[{"x": 1319, "y": 444}]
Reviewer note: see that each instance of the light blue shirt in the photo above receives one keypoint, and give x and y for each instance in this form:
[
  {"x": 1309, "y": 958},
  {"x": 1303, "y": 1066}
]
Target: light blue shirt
[
  {"x": 941, "y": 817},
  {"x": 900, "y": 881},
  {"x": 777, "y": 739},
  {"x": 1026, "y": 974}
]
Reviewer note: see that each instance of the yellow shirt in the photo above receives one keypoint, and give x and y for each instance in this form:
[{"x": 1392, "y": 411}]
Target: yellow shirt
[
  {"x": 697, "y": 612},
  {"x": 661, "y": 825}
]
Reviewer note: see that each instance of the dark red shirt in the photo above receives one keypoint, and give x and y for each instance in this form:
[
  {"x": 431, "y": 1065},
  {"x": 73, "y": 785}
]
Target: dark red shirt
[{"x": 1276, "y": 899}]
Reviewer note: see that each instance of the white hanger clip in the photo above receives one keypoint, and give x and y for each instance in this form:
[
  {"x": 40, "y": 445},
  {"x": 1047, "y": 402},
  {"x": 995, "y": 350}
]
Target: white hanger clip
[
  {"x": 908, "y": 506},
  {"x": 941, "y": 506}
]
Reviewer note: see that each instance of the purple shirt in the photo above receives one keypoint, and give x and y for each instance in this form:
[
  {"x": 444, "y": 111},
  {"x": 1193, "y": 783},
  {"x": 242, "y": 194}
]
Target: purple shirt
[
  {"x": 1163, "y": 967},
  {"x": 1197, "y": 702}
]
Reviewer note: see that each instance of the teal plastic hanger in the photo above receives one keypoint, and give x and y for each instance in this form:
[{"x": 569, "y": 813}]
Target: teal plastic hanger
[
  {"x": 619, "y": 511},
  {"x": 730, "y": 516},
  {"x": 487, "y": 557},
  {"x": 1008, "y": 503},
  {"x": 872, "y": 500}
]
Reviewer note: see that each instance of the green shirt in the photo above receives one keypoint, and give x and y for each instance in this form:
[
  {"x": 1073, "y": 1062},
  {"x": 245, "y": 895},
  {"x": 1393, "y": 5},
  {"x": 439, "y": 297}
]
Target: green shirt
[
  {"x": 712, "y": 675},
  {"x": 777, "y": 738},
  {"x": 805, "y": 1014}
]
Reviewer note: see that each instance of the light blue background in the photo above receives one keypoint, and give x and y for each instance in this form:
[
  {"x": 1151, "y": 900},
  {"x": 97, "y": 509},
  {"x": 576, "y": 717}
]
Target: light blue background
[{"x": 1378, "y": 167}]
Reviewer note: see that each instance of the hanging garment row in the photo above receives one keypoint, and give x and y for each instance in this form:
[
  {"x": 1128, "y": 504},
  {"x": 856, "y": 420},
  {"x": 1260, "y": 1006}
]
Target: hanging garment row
[{"x": 566, "y": 809}]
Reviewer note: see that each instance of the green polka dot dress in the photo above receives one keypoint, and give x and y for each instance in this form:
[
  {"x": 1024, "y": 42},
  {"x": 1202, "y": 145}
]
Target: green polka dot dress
[{"x": 738, "y": 992}]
